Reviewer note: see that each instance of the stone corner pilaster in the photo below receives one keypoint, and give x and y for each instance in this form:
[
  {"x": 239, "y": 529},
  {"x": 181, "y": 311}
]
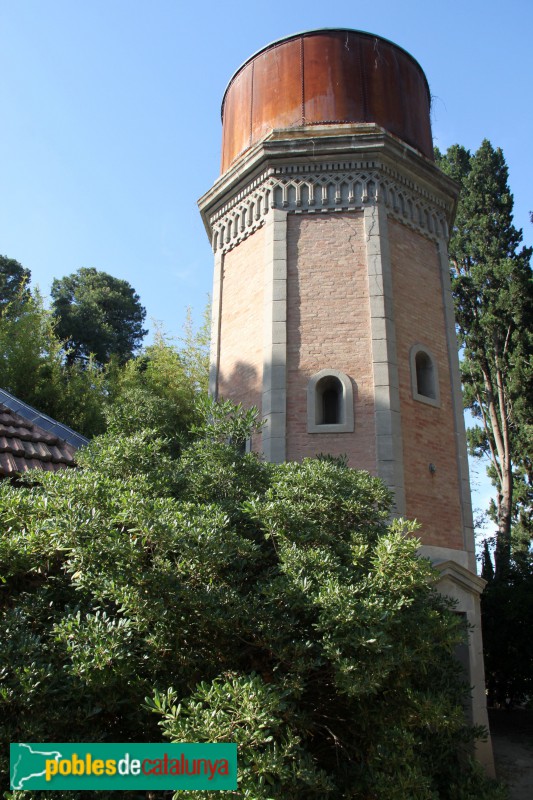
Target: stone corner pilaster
[
  {"x": 274, "y": 398},
  {"x": 389, "y": 448}
]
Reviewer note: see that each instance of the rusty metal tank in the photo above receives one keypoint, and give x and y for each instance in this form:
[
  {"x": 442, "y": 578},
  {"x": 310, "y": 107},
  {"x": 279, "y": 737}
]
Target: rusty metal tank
[{"x": 321, "y": 77}]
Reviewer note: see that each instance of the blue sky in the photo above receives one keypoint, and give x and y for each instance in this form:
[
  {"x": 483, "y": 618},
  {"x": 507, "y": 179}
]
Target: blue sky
[
  {"x": 111, "y": 120},
  {"x": 111, "y": 130}
]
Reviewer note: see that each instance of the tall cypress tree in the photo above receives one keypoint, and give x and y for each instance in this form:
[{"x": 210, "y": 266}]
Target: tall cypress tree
[{"x": 493, "y": 292}]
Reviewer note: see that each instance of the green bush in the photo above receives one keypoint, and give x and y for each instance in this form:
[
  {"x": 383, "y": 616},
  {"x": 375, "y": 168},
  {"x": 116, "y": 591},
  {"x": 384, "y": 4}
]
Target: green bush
[{"x": 213, "y": 597}]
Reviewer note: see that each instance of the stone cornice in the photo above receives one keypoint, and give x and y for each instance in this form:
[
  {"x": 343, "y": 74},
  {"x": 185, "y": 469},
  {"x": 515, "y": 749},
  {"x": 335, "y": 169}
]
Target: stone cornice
[
  {"x": 348, "y": 170},
  {"x": 461, "y": 576}
]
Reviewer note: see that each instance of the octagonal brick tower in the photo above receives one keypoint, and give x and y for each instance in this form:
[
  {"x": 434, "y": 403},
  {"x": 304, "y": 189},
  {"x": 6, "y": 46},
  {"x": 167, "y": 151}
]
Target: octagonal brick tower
[{"x": 332, "y": 305}]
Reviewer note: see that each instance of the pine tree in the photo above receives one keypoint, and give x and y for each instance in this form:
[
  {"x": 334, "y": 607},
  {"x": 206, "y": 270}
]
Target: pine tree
[
  {"x": 97, "y": 314},
  {"x": 493, "y": 292}
]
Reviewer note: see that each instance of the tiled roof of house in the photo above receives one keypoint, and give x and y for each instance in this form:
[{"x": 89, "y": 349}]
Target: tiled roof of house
[{"x": 31, "y": 440}]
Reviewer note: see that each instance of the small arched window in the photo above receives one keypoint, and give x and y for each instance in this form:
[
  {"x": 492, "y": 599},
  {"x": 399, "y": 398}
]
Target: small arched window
[
  {"x": 425, "y": 379},
  {"x": 330, "y": 403},
  {"x": 329, "y": 395},
  {"x": 424, "y": 376}
]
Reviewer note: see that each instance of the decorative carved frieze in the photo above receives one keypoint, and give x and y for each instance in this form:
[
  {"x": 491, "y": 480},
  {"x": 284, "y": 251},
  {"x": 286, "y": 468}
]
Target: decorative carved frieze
[{"x": 326, "y": 188}]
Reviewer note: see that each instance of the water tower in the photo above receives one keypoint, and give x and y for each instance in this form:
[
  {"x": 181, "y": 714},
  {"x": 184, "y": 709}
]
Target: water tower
[{"x": 332, "y": 306}]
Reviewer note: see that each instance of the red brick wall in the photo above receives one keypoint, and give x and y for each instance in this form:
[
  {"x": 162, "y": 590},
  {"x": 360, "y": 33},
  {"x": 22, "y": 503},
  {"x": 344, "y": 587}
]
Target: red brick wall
[
  {"x": 241, "y": 334},
  {"x": 328, "y": 326},
  {"x": 428, "y": 433}
]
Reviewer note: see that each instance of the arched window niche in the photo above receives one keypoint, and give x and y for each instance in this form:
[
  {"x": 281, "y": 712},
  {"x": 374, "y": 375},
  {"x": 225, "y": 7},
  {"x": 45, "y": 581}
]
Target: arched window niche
[
  {"x": 424, "y": 376},
  {"x": 330, "y": 403}
]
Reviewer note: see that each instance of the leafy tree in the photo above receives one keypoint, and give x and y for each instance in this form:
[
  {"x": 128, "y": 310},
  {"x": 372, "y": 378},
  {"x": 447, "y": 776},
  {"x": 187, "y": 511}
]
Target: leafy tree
[
  {"x": 30, "y": 353},
  {"x": 14, "y": 280},
  {"x": 158, "y": 390},
  {"x": 194, "y": 350},
  {"x": 507, "y": 616},
  {"x": 493, "y": 293},
  {"x": 32, "y": 367},
  {"x": 272, "y": 605},
  {"x": 97, "y": 315}
]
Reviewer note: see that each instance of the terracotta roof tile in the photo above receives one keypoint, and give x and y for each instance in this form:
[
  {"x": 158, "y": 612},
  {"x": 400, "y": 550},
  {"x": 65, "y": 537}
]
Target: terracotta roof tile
[
  {"x": 17, "y": 447},
  {"x": 25, "y": 445},
  {"x": 7, "y": 464},
  {"x": 23, "y": 464}
]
